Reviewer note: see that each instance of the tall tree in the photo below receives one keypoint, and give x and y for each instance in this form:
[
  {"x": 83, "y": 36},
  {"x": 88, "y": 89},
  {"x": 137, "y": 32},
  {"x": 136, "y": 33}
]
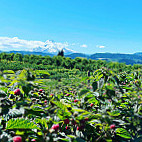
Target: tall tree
[{"x": 61, "y": 53}]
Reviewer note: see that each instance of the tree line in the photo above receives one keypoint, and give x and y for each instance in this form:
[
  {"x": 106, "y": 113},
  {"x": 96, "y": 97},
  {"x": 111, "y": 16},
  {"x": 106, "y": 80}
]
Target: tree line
[{"x": 11, "y": 61}]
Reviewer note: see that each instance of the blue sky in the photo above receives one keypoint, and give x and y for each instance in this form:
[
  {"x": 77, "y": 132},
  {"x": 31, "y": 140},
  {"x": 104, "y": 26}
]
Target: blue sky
[{"x": 89, "y": 26}]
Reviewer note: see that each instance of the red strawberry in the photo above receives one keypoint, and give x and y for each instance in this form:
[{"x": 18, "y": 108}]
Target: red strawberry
[
  {"x": 91, "y": 105},
  {"x": 55, "y": 127},
  {"x": 17, "y": 139},
  {"x": 112, "y": 126},
  {"x": 66, "y": 121},
  {"x": 17, "y": 91}
]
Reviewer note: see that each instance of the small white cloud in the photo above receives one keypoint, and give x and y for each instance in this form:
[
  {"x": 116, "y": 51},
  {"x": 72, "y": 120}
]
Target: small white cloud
[
  {"x": 100, "y": 46},
  {"x": 84, "y": 45}
]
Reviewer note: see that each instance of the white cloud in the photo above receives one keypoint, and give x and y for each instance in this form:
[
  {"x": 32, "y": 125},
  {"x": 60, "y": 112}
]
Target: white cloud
[
  {"x": 84, "y": 45},
  {"x": 9, "y": 44},
  {"x": 15, "y": 43},
  {"x": 100, "y": 46}
]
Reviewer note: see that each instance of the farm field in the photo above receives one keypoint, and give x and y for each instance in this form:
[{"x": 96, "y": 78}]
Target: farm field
[
  {"x": 62, "y": 102},
  {"x": 70, "y": 71}
]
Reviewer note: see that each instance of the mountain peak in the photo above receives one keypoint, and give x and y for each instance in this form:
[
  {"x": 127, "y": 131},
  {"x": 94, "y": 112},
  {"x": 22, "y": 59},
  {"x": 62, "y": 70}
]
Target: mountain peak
[{"x": 53, "y": 47}]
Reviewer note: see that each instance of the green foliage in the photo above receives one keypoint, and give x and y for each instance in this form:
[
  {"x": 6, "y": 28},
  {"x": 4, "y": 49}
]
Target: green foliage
[
  {"x": 81, "y": 110},
  {"x": 18, "y": 61},
  {"x": 123, "y": 133},
  {"x": 20, "y": 124}
]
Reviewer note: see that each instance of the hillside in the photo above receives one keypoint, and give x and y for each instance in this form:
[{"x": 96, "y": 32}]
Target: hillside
[
  {"x": 122, "y": 58},
  {"x": 115, "y": 57}
]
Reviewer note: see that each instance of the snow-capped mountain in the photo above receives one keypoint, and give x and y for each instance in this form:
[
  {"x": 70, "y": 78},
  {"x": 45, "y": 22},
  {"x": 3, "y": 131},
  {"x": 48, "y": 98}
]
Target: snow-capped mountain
[
  {"x": 53, "y": 47},
  {"x": 50, "y": 46}
]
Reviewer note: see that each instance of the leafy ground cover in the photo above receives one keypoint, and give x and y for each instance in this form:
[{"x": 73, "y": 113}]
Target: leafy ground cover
[{"x": 41, "y": 106}]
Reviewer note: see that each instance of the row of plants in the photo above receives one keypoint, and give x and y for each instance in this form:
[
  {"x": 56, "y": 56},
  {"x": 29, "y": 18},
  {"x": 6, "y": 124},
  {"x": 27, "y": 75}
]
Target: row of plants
[{"x": 103, "y": 107}]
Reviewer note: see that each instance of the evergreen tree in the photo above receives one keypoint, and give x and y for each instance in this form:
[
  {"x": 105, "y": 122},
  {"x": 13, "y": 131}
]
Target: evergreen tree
[{"x": 61, "y": 53}]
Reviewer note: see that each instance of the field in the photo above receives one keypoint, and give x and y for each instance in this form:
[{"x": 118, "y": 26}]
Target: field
[{"x": 62, "y": 102}]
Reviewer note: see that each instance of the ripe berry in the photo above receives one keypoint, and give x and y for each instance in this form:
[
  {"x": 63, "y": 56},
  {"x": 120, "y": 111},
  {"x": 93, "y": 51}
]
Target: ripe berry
[
  {"x": 91, "y": 104},
  {"x": 66, "y": 121},
  {"x": 55, "y": 127},
  {"x": 75, "y": 100},
  {"x": 17, "y": 139},
  {"x": 33, "y": 140},
  {"x": 80, "y": 128},
  {"x": 67, "y": 95},
  {"x": 112, "y": 126},
  {"x": 67, "y": 127},
  {"x": 86, "y": 119},
  {"x": 40, "y": 90},
  {"x": 52, "y": 95},
  {"x": 17, "y": 91},
  {"x": 45, "y": 101}
]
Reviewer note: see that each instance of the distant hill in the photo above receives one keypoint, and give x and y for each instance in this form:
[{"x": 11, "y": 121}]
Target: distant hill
[
  {"x": 138, "y": 53},
  {"x": 74, "y": 55},
  {"x": 115, "y": 57},
  {"x": 122, "y": 58}
]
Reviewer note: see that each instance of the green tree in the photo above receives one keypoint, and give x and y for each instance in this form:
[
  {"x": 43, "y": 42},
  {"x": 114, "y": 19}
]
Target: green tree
[{"x": 17, "y": 57}]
